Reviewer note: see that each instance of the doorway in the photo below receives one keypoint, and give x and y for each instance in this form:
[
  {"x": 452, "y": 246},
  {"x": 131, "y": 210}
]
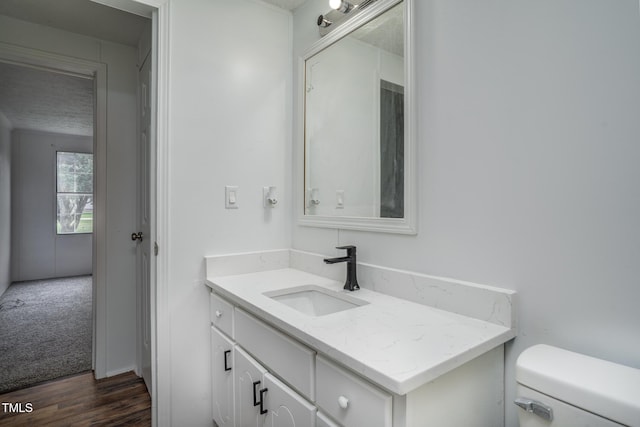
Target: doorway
[
  {"x": 115, "y": 339},
  {"x": 63, "y": 37},
  {"x": 50, "y": 107}
]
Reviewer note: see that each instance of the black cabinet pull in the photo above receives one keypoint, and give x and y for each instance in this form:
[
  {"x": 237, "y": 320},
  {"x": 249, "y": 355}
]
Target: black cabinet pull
[
  {"x": 255, "y": 393},
  {"x": 262, "y": 392},
  {"x": 255, "y": 397},
  {"x": 226, "y": 360}
]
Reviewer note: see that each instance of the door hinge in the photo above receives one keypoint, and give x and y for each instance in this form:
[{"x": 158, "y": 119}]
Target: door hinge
[{"x": 155, "y": 248}]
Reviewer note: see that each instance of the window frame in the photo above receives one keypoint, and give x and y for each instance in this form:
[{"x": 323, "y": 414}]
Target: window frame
[{"x": 58, "y": 193}]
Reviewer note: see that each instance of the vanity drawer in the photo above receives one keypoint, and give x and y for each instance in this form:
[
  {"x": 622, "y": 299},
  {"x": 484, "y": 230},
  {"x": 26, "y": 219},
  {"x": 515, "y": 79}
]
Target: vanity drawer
[
  {"x": 324, "y": 421},
  {"x": 292, "y": 361},
  {"x": 221, "y": 314},
  {"x": 349, "y": 399}
]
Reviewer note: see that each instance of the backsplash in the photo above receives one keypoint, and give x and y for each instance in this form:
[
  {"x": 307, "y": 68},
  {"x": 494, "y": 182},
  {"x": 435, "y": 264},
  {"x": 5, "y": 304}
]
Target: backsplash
[{"x": 488, "y": 303}]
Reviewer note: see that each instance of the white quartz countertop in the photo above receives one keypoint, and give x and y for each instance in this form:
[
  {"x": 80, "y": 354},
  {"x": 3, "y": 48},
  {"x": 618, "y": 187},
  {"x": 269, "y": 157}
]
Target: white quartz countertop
[{"x": 397, "y": 344}]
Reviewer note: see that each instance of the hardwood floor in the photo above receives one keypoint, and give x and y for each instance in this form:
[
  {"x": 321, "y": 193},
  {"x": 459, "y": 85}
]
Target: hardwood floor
[{"x": 79, "y": 401}]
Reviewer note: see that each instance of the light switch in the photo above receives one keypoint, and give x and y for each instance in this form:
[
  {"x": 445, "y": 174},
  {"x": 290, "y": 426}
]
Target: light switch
[
  {"x": 231, "y": 197},
  {"x": 339, "y": 199}
]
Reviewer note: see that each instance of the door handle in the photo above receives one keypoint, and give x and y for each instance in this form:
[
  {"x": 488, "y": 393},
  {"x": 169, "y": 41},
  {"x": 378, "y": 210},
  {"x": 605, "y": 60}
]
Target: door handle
[{"x": 137, "y": 236}]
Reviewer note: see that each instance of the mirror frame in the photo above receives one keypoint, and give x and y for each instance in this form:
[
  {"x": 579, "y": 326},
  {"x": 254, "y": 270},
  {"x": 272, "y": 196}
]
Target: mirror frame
[{"x": 408, "y": 224}]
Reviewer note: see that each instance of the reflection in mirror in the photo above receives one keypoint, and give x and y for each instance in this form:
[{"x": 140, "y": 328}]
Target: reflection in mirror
[
  {"x": 391, "y": 150},
  {"x": 354, "y": 123}
]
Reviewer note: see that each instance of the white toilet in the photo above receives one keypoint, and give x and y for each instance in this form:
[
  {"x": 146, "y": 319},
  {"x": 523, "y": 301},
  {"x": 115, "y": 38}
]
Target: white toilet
[{"x": 560, "y": 388}]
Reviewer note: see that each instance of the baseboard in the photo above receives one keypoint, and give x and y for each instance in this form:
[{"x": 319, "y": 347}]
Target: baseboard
[{"x": 113, "y": 373}]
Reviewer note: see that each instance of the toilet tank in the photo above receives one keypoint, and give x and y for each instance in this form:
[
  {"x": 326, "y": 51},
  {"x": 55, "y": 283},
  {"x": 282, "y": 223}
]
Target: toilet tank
[{"x": 560, "y": 388}]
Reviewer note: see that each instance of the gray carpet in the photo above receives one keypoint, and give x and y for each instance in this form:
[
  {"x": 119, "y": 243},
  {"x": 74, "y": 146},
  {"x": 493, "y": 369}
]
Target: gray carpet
[{"x": 45, "y": 331}]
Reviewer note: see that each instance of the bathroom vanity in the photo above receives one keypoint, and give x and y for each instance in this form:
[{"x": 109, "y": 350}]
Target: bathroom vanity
[{"x": 291, "y": 347}]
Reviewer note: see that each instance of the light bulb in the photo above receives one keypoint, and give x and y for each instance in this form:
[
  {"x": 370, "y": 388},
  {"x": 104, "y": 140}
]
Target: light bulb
[{"x": 340, "y": 5}]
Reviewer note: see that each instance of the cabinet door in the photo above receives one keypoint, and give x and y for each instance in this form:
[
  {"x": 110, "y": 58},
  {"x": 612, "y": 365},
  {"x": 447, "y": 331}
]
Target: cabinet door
[
  {"x": 222, "y": 378},
  {"x": 286, "y": 408},
  {"x": 248, "y": 384}
]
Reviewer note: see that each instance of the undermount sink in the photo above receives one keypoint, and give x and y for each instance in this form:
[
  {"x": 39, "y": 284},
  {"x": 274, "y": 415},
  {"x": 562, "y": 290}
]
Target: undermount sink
[{"x": 315, "y": 300}]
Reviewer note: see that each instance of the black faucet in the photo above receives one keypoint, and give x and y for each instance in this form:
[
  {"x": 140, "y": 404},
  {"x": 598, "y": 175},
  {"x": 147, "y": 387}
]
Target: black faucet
[{"x": 352, "y": 281}]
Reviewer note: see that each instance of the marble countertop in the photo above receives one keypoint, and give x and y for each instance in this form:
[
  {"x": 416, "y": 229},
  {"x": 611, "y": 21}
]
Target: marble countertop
[{"x": 397, "y": 344}]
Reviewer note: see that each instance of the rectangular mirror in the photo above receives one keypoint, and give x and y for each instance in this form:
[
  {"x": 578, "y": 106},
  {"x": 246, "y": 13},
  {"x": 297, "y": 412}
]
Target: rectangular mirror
[{"x": 358, "y": 137}]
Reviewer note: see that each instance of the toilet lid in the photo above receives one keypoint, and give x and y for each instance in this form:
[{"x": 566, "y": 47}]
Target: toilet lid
[{"x": 601, "y": 387}]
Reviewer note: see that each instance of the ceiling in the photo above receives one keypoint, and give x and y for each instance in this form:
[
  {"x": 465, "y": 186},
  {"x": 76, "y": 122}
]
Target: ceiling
[
  {"x": 41, "y": 100},
  {"x": 285, "y": 4},
  {"x": 385, "y": 32}
]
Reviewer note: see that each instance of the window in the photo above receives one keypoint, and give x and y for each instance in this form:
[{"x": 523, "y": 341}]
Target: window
[{"x": 74, "y": 187}]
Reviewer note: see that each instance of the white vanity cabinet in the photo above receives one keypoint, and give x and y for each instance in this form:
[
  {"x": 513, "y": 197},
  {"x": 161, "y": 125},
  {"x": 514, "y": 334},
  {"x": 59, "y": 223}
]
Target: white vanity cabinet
[
  {"x": 244, "y": 393},
  {"x": 251, "y": 362},
  {"x": 263, "y": 377}
]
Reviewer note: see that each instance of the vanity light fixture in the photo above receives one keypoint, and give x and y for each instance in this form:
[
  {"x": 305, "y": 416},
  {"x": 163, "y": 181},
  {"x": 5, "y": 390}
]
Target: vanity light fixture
[
  {"x": 341, "y": 5},
  {"x": 341, "y": 10},
  {"x": 323, "y": 22}
]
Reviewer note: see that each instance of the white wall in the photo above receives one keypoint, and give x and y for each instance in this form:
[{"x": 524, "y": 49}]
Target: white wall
[
  {"x": 38, "y": 252},
  {"x": 528, "y": 158},
  {"x": 121, "y": 154},
  {"x": 5, "y": 203},
  {"x": 229, "y": 124}
]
